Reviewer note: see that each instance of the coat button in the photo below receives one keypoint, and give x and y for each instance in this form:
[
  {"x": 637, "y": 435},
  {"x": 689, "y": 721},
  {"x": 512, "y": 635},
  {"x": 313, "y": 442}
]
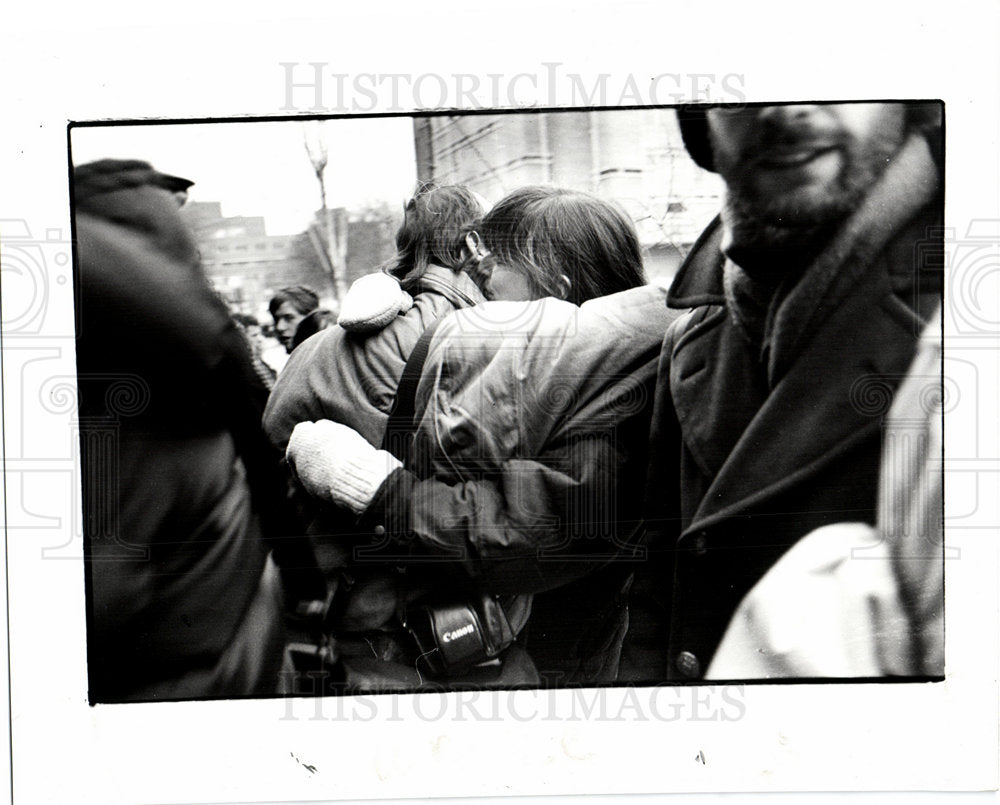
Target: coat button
[
  {"x": 688, "y": 664},
  {"x": 379, "y": 530},
  {"x": 699, "y": 545}
]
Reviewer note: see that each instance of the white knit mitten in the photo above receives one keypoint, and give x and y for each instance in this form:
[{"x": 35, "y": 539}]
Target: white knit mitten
[
  {"x": 372, "y": 302},
  {"x": 335, "y": 463}
]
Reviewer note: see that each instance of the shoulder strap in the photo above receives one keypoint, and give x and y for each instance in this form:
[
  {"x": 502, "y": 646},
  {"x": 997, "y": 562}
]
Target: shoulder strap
[
  {"x": 398, "y": 438},
  {"x": 503, "y": 619}
]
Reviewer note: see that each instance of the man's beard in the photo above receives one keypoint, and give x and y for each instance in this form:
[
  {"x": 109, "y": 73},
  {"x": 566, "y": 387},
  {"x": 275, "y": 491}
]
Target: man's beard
[{"x": 767, "y": 232}]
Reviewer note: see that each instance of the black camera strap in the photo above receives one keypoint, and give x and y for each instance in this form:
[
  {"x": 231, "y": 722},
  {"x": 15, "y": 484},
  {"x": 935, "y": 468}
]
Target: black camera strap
[{"x": 398, "y": 438}]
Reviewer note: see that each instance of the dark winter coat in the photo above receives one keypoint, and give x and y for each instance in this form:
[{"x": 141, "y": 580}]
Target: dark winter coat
[
  {"x": 530, "y": 452},
  {"x": 753, "y": 449},
  {"x": 183, "y": 599}
]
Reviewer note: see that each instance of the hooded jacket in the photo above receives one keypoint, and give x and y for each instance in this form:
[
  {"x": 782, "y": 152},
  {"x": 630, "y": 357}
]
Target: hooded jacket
[{"x": 349, "y": 374}]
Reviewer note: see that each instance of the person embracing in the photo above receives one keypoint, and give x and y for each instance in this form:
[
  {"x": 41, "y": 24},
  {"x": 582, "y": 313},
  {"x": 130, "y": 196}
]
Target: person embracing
[{"x": 530, "y": 422}]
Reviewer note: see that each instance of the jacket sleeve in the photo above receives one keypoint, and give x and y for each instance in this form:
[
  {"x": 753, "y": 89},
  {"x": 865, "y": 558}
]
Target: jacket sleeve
[
  {"x": 535, "y": 525},
  {"x": 536, "y": 443}
]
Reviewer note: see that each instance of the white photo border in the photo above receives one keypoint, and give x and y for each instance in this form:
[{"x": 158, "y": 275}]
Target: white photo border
[{"x": 112, "y": 61}]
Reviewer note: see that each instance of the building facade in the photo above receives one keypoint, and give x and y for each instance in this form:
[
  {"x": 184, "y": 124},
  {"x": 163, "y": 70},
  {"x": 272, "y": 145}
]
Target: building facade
[
  {"x": 247, "y": 266},
  {"x": 633, "y": 157}
]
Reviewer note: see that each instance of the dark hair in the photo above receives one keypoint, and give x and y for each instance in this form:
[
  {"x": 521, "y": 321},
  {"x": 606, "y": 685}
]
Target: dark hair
[
  {"x": 303, "y": 299},
  {"x": 545, "y": 232},
  {"x": 435, "y": 223},
  {"x": 246, "y": 320},
  {"x": 314, "y": 322}
]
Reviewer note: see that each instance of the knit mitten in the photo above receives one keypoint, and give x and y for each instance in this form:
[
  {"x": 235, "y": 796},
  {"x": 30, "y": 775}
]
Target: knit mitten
[
  {"x": 336, "y": 464},
  {"x": 372, "y": 302}
]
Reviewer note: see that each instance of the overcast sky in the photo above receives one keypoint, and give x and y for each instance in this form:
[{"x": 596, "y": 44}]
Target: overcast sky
[{"x": 263, "y": 169}]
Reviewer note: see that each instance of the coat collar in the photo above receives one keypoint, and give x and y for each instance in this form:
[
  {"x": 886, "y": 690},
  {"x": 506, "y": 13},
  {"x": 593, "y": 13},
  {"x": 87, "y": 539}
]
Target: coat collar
[
  {"x": 456, "y": 286},
  {"x": 699, "y": 279},
  {"x": 863, "y": 355},
  {"x": 748, "y": 428}
]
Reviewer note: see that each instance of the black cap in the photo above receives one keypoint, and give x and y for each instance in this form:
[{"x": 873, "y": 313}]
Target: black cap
[
  {"x": 693, "y": 121},
  {"x": 106, "y": 175}
]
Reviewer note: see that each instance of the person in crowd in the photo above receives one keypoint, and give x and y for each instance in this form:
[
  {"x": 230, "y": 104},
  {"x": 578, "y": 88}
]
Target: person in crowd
[
  {"x": 811, "y": 287},
  {"x": 180, "y": 491},
  {"x": 850, "y": 600},
  {"x": 288, "y": 307},
  {"x": 349, "y": 373},
  {"x": 531, "y": 420},
  {"x": 251, "y": 329},
  {"x": 250, "y": 326}
]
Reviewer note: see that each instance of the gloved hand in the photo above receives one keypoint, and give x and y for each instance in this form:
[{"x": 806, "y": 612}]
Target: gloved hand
[{"x": 336, "y": 464}]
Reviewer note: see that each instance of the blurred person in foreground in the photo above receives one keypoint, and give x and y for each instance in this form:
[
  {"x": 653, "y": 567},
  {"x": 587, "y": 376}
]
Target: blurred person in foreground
[
  {"x": 810, "y": 288},
  {"x": 180, "y": 491}
]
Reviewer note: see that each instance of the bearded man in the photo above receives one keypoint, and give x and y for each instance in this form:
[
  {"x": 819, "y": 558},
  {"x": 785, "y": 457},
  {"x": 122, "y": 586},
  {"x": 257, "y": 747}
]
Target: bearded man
[{"x": 807, "y": 297}]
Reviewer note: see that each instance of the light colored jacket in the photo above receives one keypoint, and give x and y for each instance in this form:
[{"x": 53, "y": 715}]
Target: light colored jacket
[{"x": 350, "y": 377}]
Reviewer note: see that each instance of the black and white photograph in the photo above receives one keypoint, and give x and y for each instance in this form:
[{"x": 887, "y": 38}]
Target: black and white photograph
[
  {"x": 304, "y": 475},
  {"x": 631, "y": 428}
]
